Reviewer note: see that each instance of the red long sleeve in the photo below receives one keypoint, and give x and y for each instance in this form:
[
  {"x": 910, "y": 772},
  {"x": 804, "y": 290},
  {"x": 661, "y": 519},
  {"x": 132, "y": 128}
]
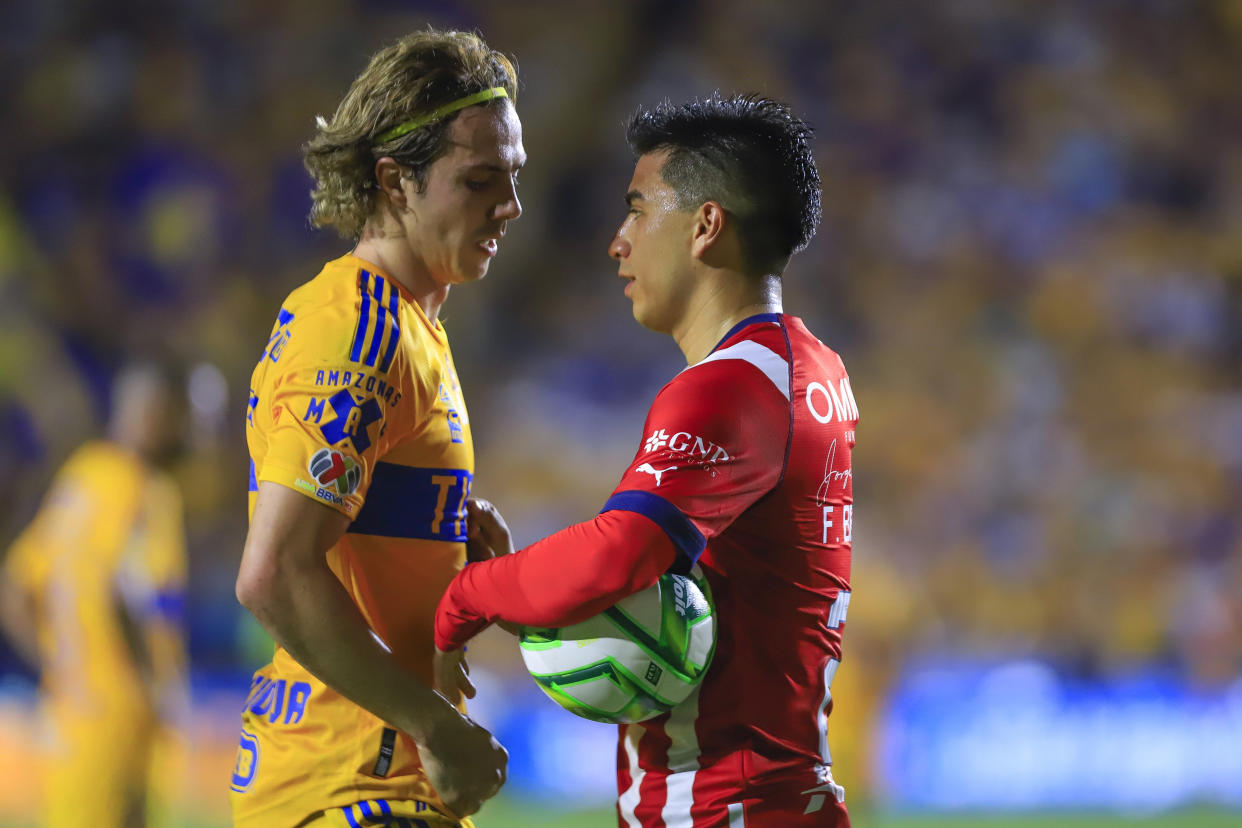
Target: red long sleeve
[{"x": 565, "y": 578}]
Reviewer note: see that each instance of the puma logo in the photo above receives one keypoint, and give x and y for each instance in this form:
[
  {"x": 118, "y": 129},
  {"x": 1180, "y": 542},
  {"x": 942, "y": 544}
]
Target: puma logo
[{"x": 654, "y": 472}]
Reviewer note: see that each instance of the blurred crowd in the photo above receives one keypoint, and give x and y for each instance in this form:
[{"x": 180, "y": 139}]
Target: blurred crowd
[{"x": 1030, "y": 261}]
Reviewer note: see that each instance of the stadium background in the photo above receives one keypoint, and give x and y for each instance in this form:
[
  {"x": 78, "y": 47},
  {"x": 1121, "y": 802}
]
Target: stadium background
[{"x": 1031, "y": 261}]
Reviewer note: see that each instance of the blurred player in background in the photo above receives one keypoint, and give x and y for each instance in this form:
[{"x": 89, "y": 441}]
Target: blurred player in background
[
  {"x": 92, "y": 596},
  {"x": 744, "y": 468},
  {"x": 362, "y": 458}
]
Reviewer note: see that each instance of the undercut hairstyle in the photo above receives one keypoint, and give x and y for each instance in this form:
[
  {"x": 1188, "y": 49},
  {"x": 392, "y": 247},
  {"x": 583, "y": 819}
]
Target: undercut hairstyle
[
  {"x": 407, "y": 80},
  {"x": 749, "y": 154}
]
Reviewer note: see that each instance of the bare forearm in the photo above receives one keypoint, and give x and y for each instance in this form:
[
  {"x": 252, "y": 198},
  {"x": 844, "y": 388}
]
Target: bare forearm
[
  {"x": 312, "y": 617},
  {"x": 17, "y": 619}
]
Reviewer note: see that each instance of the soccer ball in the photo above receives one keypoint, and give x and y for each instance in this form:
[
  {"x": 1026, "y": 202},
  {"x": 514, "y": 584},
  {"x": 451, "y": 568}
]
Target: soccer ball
[{"x": 635, "y": 660}]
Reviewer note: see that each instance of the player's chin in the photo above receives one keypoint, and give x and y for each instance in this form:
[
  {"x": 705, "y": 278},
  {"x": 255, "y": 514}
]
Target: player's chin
[
  {"x": 644, "y": 318},
  {"x": 650, "y": 319},
  {"x": 639, "y": 309},
  {"x": 472, "y": 271}
]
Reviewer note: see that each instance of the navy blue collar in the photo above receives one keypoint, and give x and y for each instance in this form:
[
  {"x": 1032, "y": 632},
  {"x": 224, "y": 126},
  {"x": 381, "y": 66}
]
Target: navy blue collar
[{"x": 750, "y": 320}]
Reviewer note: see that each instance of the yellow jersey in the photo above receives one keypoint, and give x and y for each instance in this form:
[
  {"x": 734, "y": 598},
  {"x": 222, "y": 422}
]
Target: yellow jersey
[
  {"x": 355, "y": 403},
  {"x": 108, "y": 538}
]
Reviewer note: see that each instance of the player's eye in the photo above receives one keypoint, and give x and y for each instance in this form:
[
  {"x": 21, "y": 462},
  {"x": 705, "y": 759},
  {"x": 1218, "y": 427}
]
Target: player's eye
[{"x": 477, "y": 186}]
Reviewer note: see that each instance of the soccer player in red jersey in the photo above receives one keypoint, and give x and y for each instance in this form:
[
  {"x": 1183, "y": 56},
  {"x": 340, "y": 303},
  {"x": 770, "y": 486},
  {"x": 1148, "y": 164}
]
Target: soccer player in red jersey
[{"x": 744, "y": 468}]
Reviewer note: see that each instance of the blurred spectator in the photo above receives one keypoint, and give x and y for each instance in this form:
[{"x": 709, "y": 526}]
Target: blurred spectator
[{"x": 92, "y": 593}]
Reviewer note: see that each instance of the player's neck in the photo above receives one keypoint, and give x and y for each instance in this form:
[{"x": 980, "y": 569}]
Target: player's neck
[
  {"x": 393, "y": 256},
  {"x": 715, "y": 315},
  {"x": 129, "y": 441}
]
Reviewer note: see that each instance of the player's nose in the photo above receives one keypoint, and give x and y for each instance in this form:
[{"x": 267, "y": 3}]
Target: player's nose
[
  {"x": 510, "y": 208},
  {"x": 618, "y": 248}
]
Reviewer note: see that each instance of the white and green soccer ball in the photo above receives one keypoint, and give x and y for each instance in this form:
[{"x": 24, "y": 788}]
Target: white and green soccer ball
[{"x": 635, "y": 660}]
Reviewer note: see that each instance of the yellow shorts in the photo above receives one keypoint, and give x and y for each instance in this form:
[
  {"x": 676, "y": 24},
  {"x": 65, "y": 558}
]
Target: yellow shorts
[
  {"x": 100, "y": 768},
  {"x": 408, "y": 814}
]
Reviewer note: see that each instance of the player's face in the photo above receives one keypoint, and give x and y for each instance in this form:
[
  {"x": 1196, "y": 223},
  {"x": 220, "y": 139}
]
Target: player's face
[
  {"x": 454, "y": 226},
  {"x": 652, "y": 248},
  {"x": 155, "y": 418},
  {"x": 167, "y": 432}
]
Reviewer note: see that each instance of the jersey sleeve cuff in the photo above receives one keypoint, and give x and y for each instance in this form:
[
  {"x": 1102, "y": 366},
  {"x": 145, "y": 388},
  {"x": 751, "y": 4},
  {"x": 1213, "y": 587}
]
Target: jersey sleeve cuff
[
  {"x": 455, "y": 624},
  {"x": 686, "y": 537}
]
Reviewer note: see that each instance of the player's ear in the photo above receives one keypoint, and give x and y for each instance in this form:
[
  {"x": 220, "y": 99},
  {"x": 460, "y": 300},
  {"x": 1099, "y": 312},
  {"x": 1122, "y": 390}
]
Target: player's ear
[
  {"x": 388, "y": 180},
  {"x": 709, "y": 226}
]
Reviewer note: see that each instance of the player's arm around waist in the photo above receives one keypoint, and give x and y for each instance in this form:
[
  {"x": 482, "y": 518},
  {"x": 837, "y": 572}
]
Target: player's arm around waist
[
  {"x": 285, "y": 581},
  {"x": 17, "y": 619},
  {"x": 19, "y": 585}
]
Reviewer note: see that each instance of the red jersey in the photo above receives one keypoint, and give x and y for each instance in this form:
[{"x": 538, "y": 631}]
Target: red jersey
[{"x": 745, "y": 468}]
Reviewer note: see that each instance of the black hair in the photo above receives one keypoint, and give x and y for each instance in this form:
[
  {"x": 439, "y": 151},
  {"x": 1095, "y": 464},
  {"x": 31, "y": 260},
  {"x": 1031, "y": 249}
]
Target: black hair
[{"x": 748, "y": 153}]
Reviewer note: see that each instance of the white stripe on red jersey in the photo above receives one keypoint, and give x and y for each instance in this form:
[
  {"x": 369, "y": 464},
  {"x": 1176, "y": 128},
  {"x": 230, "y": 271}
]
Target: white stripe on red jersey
[
  {"x": 774, "y": 367},
  {"x": 629, "y": 786},
  {"x": 682, "y": 762}
]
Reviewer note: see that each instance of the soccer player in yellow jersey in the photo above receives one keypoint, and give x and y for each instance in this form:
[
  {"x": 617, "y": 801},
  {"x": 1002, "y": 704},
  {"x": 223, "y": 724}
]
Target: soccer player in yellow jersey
[
  {"x": 362, "y": 457},
  {"x": 91, "y": 594}
]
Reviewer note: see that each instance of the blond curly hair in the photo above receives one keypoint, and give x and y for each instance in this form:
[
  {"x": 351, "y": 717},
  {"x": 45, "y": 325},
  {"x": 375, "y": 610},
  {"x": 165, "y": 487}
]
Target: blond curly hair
[{"x": 417, "y": 74}]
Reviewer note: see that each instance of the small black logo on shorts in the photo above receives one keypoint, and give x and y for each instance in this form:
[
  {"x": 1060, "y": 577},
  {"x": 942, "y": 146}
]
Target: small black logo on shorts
[{"x": 654, "y": 672}]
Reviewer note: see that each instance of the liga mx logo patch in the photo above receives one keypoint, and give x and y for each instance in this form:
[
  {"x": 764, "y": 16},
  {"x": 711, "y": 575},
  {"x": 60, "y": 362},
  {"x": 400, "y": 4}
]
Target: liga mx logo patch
[{"x": 331, "y": 469}]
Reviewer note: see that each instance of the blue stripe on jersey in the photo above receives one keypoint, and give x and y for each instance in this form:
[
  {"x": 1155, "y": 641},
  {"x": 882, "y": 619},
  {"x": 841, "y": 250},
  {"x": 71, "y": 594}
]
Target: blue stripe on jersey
[
  {"x": 413, "y": 502},
  {"x": 395, "y": 335},
  {"x": 381, "y": 322},
  {"x": 254, "y": 481},
  {"x": 364, "y": 320},
  {"x": 750, "y": 320},
  {"x": 679, "y": 528},
  {"x": 348, "y": 810},
  {"x": 384, "y": 817}
]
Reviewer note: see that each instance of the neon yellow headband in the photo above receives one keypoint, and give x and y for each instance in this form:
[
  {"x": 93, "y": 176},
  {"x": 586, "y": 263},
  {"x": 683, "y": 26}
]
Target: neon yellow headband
[{"x": 438, "y": 113}]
